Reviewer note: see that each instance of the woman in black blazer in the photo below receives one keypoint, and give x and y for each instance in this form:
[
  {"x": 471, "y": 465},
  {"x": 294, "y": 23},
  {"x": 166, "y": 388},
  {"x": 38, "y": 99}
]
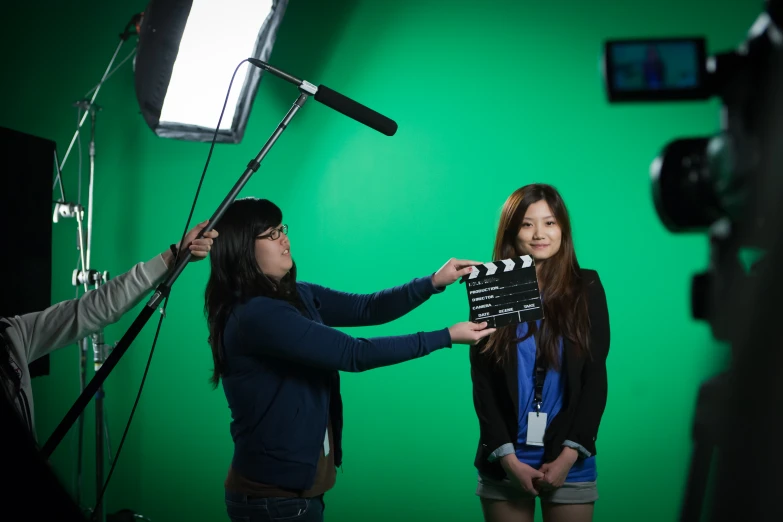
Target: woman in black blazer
[{"x": 539, "y": 388}]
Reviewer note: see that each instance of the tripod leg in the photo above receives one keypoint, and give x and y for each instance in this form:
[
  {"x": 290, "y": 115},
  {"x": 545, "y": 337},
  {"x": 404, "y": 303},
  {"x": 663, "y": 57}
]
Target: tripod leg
[
  {"x": 80, "y": 442},
  {"x": 706, "y": 424},
  {"x": 698, "y": 477},
  {"x": 99, "y": 466}
]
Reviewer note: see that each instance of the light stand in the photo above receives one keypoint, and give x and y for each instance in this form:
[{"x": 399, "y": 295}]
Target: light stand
[
  {"x": 80, "y": 437},
  {"x": 62, "y": 210},
  {"x": 89, "y": 277},
  {"x": 86, "y": 276},
  {"x": 89, "y": 102},
  {"x": 135, "y": 19},
  {"x": 100, "y": 349},
  {"x": 91, "y": 108}
]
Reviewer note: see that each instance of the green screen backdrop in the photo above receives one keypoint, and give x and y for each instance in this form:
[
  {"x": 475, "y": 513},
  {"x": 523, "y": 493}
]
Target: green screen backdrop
[{"x": 488, "y": 97}]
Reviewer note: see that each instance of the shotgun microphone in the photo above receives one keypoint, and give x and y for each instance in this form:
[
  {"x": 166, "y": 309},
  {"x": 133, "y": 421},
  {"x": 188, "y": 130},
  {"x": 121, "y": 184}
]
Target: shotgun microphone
[{"x": 337, "y": 101}]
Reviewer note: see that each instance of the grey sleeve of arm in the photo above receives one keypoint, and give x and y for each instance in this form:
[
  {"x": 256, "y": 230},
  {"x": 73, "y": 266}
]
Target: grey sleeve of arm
[
  {"x": 578, "y": 447},
  {"x": 68, "y": 321},
  {"x": 502, "y": 451},
  {"x": 508, "y": 449}
]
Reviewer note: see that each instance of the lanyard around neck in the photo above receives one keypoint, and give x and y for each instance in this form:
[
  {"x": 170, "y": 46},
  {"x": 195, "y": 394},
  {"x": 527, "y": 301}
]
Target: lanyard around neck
[{"x": 538, "y": 378}]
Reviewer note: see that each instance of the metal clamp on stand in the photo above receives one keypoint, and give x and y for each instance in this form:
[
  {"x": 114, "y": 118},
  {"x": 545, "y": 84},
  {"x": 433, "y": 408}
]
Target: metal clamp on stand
[
  {"x": 63, "y": 209},
  {"x": 89, "y": 277}
]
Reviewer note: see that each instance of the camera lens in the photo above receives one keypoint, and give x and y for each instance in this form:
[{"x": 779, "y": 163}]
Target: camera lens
[{"x": 681, "y": 185}]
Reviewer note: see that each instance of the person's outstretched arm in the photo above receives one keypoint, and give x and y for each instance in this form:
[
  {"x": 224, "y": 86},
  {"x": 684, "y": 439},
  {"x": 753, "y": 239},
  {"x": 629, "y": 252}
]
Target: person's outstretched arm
[
  {"x": 271, "y": 327},
  {"x": 340, "y": 309},
  {"x": 64, "y": 323}
]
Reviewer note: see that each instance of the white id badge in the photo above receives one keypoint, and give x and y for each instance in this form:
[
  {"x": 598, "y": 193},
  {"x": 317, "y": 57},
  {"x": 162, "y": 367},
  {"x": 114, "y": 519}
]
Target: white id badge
[
  {"x": 536, "y": 425},
  {"x": 326, "y": 443}
]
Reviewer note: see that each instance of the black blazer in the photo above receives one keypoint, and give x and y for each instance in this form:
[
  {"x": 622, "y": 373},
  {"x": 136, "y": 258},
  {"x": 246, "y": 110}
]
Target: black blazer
[{"x": 496, "y": 392}]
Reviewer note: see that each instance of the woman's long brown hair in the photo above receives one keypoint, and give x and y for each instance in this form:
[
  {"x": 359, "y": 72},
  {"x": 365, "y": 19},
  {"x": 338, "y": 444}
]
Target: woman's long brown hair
[{"x": 564, "y": 297}]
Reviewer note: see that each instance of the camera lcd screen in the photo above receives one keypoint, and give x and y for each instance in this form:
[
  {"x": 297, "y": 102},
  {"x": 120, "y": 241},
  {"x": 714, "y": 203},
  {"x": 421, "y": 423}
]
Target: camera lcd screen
[{"x": 655, "y": 70}]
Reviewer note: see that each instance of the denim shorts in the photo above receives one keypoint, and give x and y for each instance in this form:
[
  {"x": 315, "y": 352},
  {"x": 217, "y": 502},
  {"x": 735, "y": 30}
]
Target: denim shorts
[
  {"x": 241, "y": 508},
  {"x": 568, "y": 493}
]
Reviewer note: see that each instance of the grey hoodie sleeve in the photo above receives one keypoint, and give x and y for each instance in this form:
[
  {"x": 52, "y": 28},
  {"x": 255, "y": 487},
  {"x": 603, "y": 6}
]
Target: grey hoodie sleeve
[{"x": 64, "y": 323}]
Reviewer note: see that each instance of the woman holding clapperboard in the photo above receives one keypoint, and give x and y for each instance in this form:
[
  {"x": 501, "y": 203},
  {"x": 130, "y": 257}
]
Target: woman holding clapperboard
[
  {"x": 539, "y": 389},
  {"x": 278, "y": 354}
]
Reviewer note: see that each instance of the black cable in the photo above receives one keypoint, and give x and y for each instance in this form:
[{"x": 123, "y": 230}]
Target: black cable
[{"x": 166, "y": 301}]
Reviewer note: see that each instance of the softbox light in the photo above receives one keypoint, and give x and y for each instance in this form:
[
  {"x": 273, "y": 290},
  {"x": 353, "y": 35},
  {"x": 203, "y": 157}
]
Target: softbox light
[{"x": 187, "y": 52}]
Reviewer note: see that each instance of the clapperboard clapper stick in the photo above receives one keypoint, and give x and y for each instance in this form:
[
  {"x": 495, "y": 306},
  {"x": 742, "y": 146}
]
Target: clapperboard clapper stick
[{"x": 504, "y": 292}]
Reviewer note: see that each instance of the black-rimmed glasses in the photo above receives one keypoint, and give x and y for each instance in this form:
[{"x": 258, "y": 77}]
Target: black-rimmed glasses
[{"x": 275, "y": 233}]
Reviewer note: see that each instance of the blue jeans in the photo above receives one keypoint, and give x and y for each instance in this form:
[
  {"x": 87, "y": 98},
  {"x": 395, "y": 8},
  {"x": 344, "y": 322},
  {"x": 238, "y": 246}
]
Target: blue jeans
[{"x": 240, "y": 508}]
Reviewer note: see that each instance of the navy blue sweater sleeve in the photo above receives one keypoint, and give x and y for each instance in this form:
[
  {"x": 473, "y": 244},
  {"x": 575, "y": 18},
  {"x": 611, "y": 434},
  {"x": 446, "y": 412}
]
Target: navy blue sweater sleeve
[
  {"x": 345, "y": 309},
  {"x": 275, "y": 328}
]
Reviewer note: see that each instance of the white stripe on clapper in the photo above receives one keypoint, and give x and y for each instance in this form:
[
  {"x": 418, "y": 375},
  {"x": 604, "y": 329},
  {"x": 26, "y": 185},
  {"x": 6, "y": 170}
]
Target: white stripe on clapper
[
  {"x": 509, "y": 265},
  {"x": 526, "y": 261},
  {"x": 474, "y": 273},
  {"x": 491, "y": 268}
]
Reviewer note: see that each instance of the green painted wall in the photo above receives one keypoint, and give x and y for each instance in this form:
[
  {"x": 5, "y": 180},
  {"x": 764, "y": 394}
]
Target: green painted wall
[{"x": 488, "y": 96}]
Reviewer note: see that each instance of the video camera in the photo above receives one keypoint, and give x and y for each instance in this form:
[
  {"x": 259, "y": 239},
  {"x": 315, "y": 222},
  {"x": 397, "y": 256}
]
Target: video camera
[
  {"x": 730, "y": 186},
  {"x": 713, "y": 183}
]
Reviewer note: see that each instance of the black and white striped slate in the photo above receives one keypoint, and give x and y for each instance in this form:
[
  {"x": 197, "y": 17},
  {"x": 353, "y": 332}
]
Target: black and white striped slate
[
  {"x": 504, "y": 292},
  {"x": 504, "y": 265}
]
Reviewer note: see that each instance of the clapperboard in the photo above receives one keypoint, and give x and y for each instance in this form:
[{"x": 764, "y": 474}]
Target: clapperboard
[{"x": 504, "y": 292}]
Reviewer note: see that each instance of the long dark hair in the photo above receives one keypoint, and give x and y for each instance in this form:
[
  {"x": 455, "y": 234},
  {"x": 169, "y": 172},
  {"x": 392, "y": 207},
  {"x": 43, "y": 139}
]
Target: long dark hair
[
  {"x": 235, "y": 276},
  {"x": 565, "y": 300}
]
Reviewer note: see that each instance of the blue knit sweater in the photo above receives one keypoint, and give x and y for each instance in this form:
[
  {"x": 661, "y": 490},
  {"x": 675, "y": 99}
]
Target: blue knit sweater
[{"x": 281, "y": 372}]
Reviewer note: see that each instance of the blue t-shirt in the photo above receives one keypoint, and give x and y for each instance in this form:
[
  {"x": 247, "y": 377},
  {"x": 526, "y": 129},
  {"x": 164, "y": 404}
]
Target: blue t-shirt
[{"x": 583, "y": 470}]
